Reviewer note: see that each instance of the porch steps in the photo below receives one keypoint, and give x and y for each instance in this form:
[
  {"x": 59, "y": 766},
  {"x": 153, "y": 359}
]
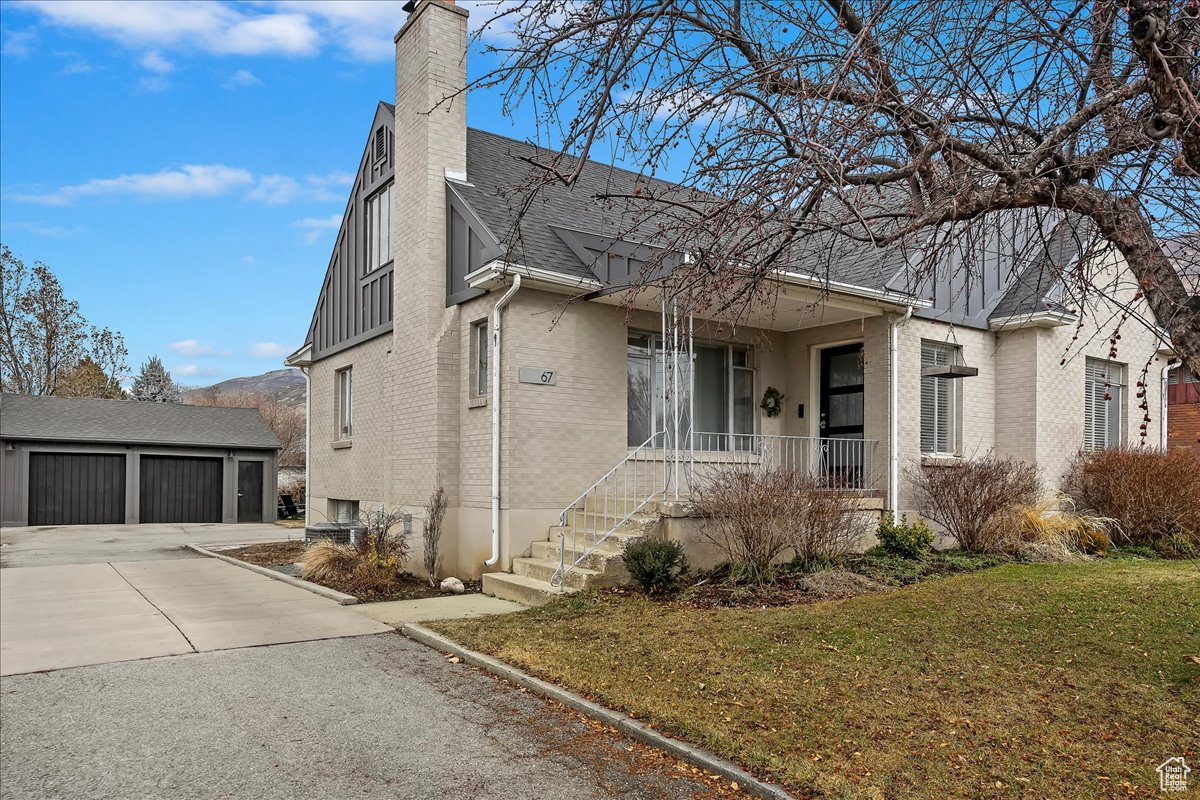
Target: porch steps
[{"x": 529, "y": 581}]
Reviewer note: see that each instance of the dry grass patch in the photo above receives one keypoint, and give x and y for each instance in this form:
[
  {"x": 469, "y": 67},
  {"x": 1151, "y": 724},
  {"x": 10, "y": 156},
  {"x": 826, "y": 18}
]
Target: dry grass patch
[
  {"x": 268, "y": 554},
  {"x": 1045, "y": 680}
]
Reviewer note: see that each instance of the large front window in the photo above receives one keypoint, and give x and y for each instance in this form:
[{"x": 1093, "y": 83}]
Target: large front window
[
  {"x": 724, "y": 392},
  {"x": 938, "y": 405}
]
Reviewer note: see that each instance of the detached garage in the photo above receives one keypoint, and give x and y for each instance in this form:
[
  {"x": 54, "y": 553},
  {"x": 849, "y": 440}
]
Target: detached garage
[{"x": 82, "y": 461}]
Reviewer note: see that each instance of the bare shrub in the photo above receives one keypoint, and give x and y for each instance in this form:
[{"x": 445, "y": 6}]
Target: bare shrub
[
  {"x": 756, "y": 516},
  {"x": 435, "y": 513},
  {"x": 326, "y": 561},
  {"x": 295, "y": 487},
  {"x": 383, "y": 539},
  {"x": 1153, "y": 496},
  {"x": 966, "y": 498},
  {"x": 829, "y": 524}
]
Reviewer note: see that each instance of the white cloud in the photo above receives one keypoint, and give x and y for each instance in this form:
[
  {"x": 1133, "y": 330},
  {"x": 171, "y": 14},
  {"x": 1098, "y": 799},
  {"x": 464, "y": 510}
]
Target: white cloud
[
  {"x": 190, "y": 348},
  {"x": 17, "y": 43},
  {"x": 211, "y": 27},
  {"x": 241, "y": 78},
  {"x": 200, "y": 180},
  {"x": 314, "y": 227},
  {"x": 39, "y": 229},
  {"x": 75, "y": 63},
  {"x": 154, "y": 62},
  {"x": 195, "y": 371},
  {"x": 190, "y": 180},
  {"x": 281, "y": 189},
  {"x": 270, "y": 350},
  {"x": 362, "y": 29}
]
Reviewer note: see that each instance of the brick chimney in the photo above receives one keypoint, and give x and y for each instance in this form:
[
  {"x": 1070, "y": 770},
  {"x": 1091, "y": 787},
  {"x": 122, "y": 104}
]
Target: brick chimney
[{"x": 430, "y": 143}]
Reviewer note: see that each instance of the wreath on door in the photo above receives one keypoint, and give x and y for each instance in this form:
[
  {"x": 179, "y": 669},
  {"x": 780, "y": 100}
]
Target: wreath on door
[{"x": 772, "y": 402}]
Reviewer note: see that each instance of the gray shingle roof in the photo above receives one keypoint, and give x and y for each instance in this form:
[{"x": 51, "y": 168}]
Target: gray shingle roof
[{"x": 86, "y": 419}]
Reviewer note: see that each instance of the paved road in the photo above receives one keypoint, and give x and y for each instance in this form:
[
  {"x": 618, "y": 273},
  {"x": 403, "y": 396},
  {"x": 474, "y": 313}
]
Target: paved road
[
  {"x": 97, "y": 544},
  {"x": 364, "y": 717},
  {"x": 79, "y": 614}
]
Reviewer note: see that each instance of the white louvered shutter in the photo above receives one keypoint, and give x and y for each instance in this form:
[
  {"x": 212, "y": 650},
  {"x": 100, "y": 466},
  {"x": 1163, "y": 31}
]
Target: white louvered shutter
[
  {"x": 1103, "y": 384},
  {"x": 937, "y": 401}
]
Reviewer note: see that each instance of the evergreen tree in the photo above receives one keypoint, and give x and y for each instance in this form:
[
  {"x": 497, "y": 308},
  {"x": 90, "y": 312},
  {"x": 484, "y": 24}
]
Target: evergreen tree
[{"x": 154, "y": 384}]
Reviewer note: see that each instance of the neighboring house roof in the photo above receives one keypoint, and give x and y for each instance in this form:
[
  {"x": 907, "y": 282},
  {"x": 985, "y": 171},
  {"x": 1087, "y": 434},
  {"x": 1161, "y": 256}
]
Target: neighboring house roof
[
  {"x": 1185, "y": 252},
  {"x": 86, "y": 419}
]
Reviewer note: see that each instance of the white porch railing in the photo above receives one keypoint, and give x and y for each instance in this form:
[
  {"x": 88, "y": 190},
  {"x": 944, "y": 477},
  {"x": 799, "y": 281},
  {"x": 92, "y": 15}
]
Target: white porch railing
[{"x": 657, "y": 467}]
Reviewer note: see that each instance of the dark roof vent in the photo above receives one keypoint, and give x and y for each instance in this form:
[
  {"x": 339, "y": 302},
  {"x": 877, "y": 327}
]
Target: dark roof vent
[{"x": 380, "y": 143}]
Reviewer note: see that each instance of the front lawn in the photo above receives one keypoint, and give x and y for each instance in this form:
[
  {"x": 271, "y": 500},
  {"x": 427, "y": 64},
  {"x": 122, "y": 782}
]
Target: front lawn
[{"x": 1025, "y": 680}]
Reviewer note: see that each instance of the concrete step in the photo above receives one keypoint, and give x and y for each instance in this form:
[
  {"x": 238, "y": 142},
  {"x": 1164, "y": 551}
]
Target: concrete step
[
  {"x": 521, "y": 589},
  {"x": 639, "y": 524},
  {"x": 600, "y": 559},
  {"x": 536, "y": 568}
]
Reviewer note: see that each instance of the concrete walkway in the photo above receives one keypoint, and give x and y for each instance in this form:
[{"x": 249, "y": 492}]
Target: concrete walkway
[
  {"x": 353, "y": 719},
  {"x": 69, "y": 616},
  {"x": 457, "y": 606},
  {"x": 99, "y": 544}
]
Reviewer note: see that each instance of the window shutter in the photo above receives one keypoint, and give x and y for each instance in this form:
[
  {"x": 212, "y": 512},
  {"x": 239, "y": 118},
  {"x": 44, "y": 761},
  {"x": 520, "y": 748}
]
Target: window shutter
[
  {"x": 936, "y": 400},
  {"x": 1101, "y": 416}
]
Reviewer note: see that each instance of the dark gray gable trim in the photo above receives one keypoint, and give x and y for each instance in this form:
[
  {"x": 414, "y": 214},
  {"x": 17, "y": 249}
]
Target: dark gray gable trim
[
  {"x": 614, "y": 262},
  {"x": 970, "y": 280},
  {"x": 354, "y": 306},
  {"x": 469, "y": 245}
]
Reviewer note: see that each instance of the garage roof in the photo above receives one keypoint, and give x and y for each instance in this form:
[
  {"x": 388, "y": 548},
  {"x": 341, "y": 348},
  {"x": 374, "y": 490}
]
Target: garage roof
[{"x": 86, "y": 419}]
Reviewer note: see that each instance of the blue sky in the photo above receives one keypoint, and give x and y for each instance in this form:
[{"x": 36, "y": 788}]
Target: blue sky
[{"x": 182, "y": 166}]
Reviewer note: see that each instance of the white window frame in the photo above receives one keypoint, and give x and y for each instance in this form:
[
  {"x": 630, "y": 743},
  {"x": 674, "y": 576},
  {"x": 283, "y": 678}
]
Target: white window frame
[
  {"x": 939, "y": 387},
  {"x": 377, "y": 213},
  {"x": 1103, "y": 378},
  {"x": 655, "y": 340},
  {"x": 480, "y": 358},
  {"x": 344, "y": 402}
]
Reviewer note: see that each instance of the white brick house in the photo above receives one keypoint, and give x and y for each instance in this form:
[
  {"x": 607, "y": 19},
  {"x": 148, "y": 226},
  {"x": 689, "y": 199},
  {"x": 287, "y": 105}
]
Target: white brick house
[{"x": 403, "y": 388}]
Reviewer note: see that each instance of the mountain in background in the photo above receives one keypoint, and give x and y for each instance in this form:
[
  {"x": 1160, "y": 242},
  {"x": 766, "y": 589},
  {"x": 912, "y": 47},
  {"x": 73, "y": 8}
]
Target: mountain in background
[{"x": 287, "y": 383}]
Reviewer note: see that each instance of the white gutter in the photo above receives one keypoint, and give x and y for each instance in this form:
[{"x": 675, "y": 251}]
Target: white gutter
[
  {"x": 885, "y": 296},
  {"x": 893, "y": 414},
  {"x": 500, "y": 304},
  {"x": 1171, "y": 364},
  {"x": 497, "y": 270},
  {"x": 307, "y": 440}
]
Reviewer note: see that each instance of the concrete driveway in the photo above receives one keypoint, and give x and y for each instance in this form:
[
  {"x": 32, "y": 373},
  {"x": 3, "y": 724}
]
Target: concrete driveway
[
  {"x": 74, "y": 615},
  {"x": 98, "y": 544}
]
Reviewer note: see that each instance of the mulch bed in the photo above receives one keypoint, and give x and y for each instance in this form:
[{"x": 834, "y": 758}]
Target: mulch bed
[{"x": 281, "y": 556}]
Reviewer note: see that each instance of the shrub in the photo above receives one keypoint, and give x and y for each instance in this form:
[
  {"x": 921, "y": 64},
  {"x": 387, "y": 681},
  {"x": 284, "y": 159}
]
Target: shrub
[
  {"x": 383, "y": 539},
  {"x": 431, "y": 533},
  {"x": 1151, "y": 495},
  {"x": 904, "y": 539},
  {"x": 756, "y": 516},
  {"x": 967, "y": 498},
  {"x": 656, "y": 565}
]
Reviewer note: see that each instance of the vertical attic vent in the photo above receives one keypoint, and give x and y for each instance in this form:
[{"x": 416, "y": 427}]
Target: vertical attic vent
[{"x": 380, "y": 143}]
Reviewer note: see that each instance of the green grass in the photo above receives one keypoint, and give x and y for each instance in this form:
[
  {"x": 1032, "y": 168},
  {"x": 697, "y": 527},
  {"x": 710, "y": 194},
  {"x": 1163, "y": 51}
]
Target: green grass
[{"x": 1025, "y": 680}]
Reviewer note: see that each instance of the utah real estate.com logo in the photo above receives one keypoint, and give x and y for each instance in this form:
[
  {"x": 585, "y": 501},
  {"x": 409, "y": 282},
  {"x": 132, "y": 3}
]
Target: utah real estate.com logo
[{"x": 1173, "y": 774}]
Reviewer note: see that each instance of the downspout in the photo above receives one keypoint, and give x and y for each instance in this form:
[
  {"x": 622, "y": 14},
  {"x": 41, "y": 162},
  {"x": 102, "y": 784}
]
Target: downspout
[
  {"x": 894, "y": 413},
  {"x": 1163, "y": 390},
  {"x": 307, "y": 437},
  {"x": 500, "y": 304}
]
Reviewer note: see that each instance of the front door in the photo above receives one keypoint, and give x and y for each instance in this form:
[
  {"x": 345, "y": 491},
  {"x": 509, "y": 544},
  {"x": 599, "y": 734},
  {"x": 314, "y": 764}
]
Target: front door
[
  {"x": 250, "y": 491},
  {"x": 842, "y": 414}
]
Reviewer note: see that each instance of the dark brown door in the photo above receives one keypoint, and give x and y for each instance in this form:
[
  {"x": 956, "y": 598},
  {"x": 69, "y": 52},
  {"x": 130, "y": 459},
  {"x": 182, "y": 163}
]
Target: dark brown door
[
  {"x": 76, "y": 489},
  {"x": 250, "y": 491},
  {"x": 842, "y": 414},
  {"x": 179, "y": 489}
]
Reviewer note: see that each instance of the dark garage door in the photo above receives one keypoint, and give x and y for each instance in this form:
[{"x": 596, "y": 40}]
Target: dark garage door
[
  {"x": 76, "y": 489},
  {"x": 176, "y": 489}
]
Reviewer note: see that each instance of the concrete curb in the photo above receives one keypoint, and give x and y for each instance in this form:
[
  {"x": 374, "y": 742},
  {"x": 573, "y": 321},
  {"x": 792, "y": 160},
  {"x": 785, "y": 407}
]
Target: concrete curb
[
  {"x": 330, "y": 594},
  {"x": 615, "y": 719}
]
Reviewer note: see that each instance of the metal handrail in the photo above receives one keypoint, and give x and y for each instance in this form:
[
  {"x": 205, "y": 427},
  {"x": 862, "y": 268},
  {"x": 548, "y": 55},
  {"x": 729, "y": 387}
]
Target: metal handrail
[
  {"x": 650, "y": 469},
  {"x": 613, "y": 488}
]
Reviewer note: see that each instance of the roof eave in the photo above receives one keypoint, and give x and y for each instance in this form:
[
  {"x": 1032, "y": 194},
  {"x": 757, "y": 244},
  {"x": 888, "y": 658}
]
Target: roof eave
[
  {"x": 300, "y": 358},
  {"x": 24, "y": 437},
  {"x": 1036, "y": 319},
  {"x": 889, "y": 298},
  {"x": 495, "y": 274}
]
